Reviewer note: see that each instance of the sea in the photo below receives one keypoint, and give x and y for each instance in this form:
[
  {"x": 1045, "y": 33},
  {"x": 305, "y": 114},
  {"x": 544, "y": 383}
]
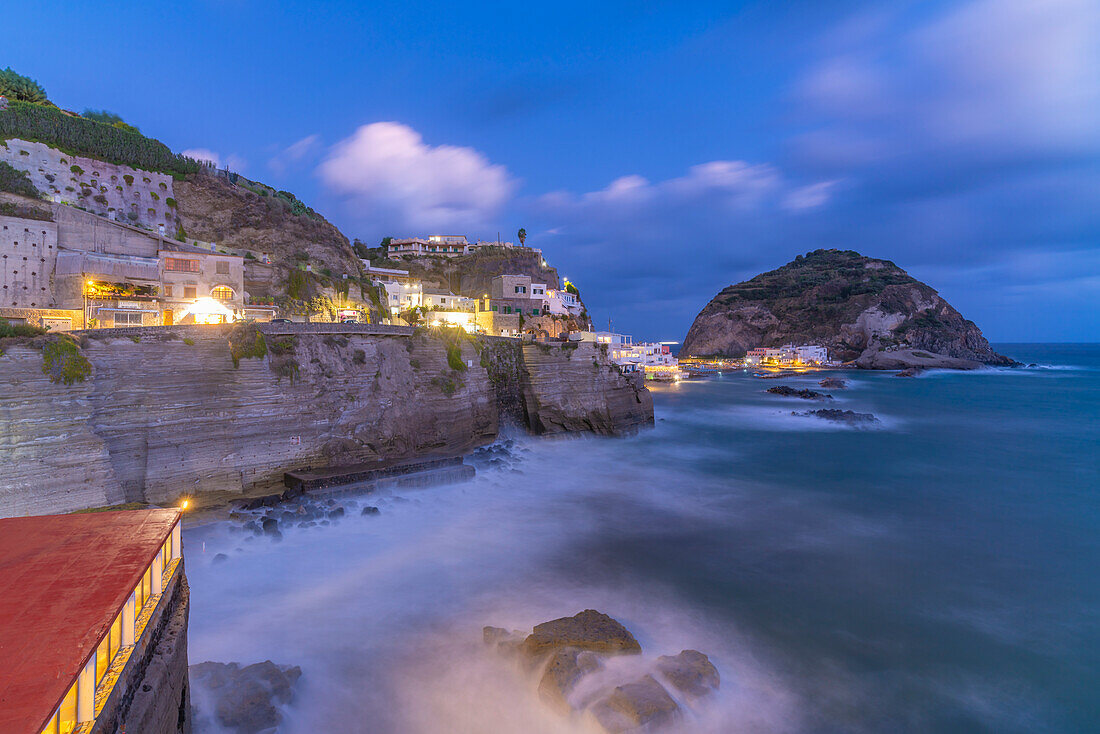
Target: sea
[{"x": 937, "y": 570}]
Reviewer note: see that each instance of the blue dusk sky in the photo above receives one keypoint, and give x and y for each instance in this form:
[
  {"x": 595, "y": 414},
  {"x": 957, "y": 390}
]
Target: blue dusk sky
[{"x": 655, "y": 151}]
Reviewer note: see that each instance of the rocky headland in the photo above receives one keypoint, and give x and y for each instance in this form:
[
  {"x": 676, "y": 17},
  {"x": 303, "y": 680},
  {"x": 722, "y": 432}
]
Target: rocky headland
[{"x": 866, "y": 311}]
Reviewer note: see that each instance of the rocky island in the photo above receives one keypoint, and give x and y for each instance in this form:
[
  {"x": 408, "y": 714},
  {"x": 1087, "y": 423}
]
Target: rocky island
[{"x": 864, "y": 310}]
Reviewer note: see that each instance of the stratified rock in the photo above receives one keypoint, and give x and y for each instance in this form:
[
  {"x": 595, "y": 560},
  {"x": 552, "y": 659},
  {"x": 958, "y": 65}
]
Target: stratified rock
[
  {"x": 840, "y": 416},
  {"x": 244, "y": 699},
  {"x": 834, "y": 383},
  {"x": 566, "y": 666},
  {"x": 641, "y": 704},
  {"x": 588, "y": 630},
  {"x": 790, "y": 392},
  {"x": 691, "y": 672}
]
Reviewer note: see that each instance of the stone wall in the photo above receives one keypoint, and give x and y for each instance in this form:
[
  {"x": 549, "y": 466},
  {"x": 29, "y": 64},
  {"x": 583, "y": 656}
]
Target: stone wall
[
  {"x": 28, "y": 251},
  {"x": 164, "y": 413},
  {"x": 122, "y": 191}
]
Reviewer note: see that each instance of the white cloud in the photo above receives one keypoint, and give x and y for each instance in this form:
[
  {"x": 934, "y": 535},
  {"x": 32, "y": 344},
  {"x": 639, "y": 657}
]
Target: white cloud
[
  {"x": 294, "y": 153},
  {"x": 397, "y": 180},
  {"x": 810, "y": 197}
]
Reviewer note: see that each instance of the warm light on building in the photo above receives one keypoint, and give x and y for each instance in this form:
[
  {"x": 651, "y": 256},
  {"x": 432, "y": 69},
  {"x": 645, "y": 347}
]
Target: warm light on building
[{"x": 208, "y": 310}]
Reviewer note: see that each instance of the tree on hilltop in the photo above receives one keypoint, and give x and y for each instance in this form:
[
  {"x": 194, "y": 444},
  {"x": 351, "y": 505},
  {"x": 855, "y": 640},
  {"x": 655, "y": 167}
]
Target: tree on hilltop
[
  {"x": 109, "y": 118},
  {"x": 22, "y": 88},
  {"x": 522, "y": 235}
]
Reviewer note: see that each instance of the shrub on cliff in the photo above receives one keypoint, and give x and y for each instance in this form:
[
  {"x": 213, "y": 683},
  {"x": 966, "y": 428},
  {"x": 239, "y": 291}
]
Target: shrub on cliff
[
  {"x": 246, "y": 342},
  {"x": 62, "y": 361},
  {"x": 17, "y": 182},
  {"x": 7, "y": 330}
]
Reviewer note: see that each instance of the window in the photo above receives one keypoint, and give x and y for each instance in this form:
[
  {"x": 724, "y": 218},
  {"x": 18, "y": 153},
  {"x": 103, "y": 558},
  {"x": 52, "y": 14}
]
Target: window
[
  {"x": 114, "y": 637},
  {"x": 127, "y": 318},
  {"x": 221, "y": 268},
  {"x": 222, "y": 293},
  {"x": 68, "y": 711},
  {"x": 534, "y": 312},
  {"x": 178, "y": 265},
  {"x": 507, "y": 309},
  {"x": 102, "y": 659},
  {"x": 189, "y": 291},
  {"x": 168, "y": 291}
]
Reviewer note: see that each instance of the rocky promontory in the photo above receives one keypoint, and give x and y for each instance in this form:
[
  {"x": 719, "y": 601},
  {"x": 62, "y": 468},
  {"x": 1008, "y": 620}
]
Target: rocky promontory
[{"x": 862, "y": 309}]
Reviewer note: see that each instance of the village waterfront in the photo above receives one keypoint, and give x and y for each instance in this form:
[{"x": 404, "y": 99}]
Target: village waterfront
[{"x": 932, "y": 571}]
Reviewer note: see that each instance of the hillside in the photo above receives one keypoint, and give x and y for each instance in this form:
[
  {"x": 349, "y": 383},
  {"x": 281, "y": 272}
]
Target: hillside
[
  {"x": 250, "y": 216},
  {"x": 859, "y": 307}
]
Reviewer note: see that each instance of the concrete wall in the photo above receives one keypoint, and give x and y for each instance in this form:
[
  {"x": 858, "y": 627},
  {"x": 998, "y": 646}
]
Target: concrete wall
[
  {"x": 146, "y": 194},
  {"x": 161, "y": 417},
  {"x": 28, "y": 252}
]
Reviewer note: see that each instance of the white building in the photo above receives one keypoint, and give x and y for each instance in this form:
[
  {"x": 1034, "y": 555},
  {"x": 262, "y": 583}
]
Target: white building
[
  {"x": 403, "y": 296},
  {"x": 655, "y": 360},
  {"x": 602, "y": 337},
  {"x": 444, "y": 300},
  {"x": 788, "y": 355}
]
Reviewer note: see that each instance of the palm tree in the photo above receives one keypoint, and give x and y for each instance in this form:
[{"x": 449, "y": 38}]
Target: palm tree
[
  {"x": 522, "y": 234},
  {"x": 17, "y": 86}
]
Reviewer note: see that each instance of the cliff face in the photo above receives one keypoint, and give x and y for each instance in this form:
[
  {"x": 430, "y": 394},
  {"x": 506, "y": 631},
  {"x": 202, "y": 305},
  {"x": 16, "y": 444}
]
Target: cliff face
[
  {"x": 168, "y": 414},
  {"x": 855, "y": 305}
]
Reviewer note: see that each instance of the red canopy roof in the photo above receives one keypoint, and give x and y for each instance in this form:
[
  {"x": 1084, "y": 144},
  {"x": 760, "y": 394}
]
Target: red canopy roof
[{"x": 63, "y": 580}]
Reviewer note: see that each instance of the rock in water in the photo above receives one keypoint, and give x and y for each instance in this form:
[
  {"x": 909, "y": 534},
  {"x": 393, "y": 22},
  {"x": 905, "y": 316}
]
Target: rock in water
[
  {"x": 911, "y": 372},
  {"x": 566, "y": 666},
  {"x": 856, "y": 306},
  {"x": 840, "y": 416},
  {"x": 790, "y": 392},
  {"x": 588, "y": 630},
  {"x": 834, "y": 383},
  {"x": 245, "y": 698},
  {"x": 691, "y": 672},
  {"x": 643, "y": 704}
]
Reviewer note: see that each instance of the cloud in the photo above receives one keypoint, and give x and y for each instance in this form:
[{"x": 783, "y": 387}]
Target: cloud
[
  {"x": 234, "y": 162},
  {"x": 396, "y": 181},
  {"x": 294, "y": 154}
]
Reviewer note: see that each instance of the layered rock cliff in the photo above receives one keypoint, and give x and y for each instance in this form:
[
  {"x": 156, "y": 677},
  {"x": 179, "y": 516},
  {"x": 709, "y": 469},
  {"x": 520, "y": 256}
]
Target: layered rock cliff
[
  {"x": 859, "y": 307},
  {"x": 163, "y": 412}
]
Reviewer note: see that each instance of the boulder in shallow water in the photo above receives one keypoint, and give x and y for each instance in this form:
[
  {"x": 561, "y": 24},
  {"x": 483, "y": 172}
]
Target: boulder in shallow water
[
  {"x": 834, "y": 383},
  {"x": 849, "y": 417},
  {"x": 245, "y": 700},
  {"x": 911, "y": 372},
  {"x": 588, "y": 630},
  {"x": 789, "y": 392},
  {"x": 691, "y": 673},
  {"x": 566, "y": 666},
  {"x": 643, "y": 705}
]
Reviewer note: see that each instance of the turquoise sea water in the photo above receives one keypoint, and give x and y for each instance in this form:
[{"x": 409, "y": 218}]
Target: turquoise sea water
[{"x": 939, "y": 571}]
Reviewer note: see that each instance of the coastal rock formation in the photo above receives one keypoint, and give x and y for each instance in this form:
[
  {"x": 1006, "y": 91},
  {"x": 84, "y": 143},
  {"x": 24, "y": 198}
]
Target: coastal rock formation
[
  {"x": 849, "y": 417},
  {"x": 570, "y": 655},
  {"x": 834, "y": 383},
  {"x": 163, "y": 412},
  {"x": 856, "y": 306},
  {"x": 244, "y": 700},
  {"x": 905, "y": 359},
  {"x": 789, "y": 392}
]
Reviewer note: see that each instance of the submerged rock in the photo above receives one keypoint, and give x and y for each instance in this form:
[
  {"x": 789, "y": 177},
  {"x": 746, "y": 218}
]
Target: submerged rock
[
  {"x": 245, "y": 700},
  {"x": 790, "y": 392},
  {"x": 840, "y": 416},
  {"x": 588, "y": 630},
  {"x": 643, "y": 704},
  {"x": 370, "y": 510},
  {"x": 834, "y": 383},
  {"x": 691, "y": 672},
  {"x": 910, "y": 372}
]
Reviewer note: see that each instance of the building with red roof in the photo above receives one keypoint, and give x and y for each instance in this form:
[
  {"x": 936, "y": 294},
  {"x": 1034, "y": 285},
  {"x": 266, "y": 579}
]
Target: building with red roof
[{"x": 86, "y": 601}]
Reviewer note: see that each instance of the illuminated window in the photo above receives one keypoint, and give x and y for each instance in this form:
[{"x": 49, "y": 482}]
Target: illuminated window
[
  {"x": 67, "y": 712},
  {"x": 114, "y": 637},
  {"x": 123, "y": 318},
  {"x": 102, "y": 659},
  {"x": 51, "y": 728},
  {"x": 222, "y": 293}
]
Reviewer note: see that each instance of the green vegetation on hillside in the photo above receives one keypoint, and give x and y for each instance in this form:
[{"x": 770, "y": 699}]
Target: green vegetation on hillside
[
  {"x": 109, "y": 118},
  {"x": 836, "y": 274},
  {"x": 15, "y": 181},
  {"x": 81, "y": 136},
  {"x": 22, "y": 88},
  {"x": 24, "y": 211}
]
